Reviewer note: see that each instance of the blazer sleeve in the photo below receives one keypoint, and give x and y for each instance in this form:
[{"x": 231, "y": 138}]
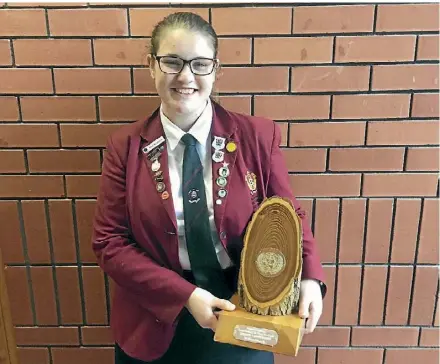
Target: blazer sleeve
[
  {"x": 159, "y": 290},
  {"x": 278, "y": 185}
]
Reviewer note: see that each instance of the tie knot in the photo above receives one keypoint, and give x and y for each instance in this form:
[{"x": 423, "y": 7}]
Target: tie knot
[{"x": 189, "y": 140}]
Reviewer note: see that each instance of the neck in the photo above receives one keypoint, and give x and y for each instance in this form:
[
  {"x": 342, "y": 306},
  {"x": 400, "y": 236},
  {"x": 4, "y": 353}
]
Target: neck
[{"x": 183, "y": 121}]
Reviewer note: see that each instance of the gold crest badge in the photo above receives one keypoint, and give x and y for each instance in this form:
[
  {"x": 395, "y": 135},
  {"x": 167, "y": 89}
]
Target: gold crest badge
[{"x": 251, "y": 180}]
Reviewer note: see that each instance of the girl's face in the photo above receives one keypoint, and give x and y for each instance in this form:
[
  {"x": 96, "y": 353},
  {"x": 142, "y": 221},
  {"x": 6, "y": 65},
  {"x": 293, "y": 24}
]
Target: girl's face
[{"x": 183, "y": 93}]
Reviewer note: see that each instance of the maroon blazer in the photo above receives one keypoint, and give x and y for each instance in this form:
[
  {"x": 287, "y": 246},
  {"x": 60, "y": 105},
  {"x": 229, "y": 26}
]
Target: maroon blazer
[{"x": 134, "y": 236}]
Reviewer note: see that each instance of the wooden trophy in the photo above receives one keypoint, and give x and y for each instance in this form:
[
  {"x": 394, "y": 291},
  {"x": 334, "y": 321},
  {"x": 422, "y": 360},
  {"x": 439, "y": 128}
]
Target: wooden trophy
[{"x": 266, "y": 314}]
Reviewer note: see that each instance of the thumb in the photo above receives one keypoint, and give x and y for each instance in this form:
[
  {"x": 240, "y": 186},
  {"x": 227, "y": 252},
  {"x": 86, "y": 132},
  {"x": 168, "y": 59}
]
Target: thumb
[
  {"x": 224, "y": 304},
  {"x": 304, "y": 308}
]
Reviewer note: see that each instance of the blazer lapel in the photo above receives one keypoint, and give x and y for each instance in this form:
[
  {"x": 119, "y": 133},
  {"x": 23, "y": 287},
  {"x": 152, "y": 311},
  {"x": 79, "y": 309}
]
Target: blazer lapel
[
  {"x": 223, "y": 126},
  {"x": 151, "y": 133}
]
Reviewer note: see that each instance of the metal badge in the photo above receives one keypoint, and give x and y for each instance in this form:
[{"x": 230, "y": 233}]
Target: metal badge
[
  {"x": 223, "y": 172},
  {"x": 218, "y": 143},
  {"x": 160, "y": 187},
  {"x": 155, "y": 166},
  {"x": 222, "y": 181},
  {"x": 158, "y": 173},
  {"x": 218, "y": 202},
  {"x": 251, "y": 180},
  {"x": 165, "y": 195},
  {"x": 156, "y": 143},
  {"x": 159, "y": 178},
  {"x": 231, "y": 147},
  {"x": 193, "y": 196},
  {"x": 222, "y": 193},
  {"x": 218, "y": 156}
]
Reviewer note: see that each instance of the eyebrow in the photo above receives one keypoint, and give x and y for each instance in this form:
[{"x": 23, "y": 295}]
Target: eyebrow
[{"x": 176, "y": 55}]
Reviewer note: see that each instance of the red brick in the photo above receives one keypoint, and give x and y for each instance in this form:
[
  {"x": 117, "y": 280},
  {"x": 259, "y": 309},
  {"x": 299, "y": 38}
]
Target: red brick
[
  {"x": 56, "y": 161},
  {"x": 82, "y": 186},
  {"x": 94, "y": 335},
  {"x": 31, "y": 186},
  {"x": 47, "y": 4},
  {"x": 349, "y": 356},
  {"x": 92, "y": 80},
  {"x": 330, "y": 78},
  {"x": 404, "y": 77},
  {"x": 127, "y": 108},
  {"x": 88, "y": 22},
  {"x": 305, "y": 159},
  {"x": 370, "y": 106},
  {"x": 25, "y": 81},
  {"x": 409, "y": 17},
  {"x": 293, "y": 50},
  {"x": 429, "y": 232},
  {"x": 411, "y": 355},
  {"x": 327, "y": 134},
  {"x": 429, "y": 336},
  {"x": 234, "y": 50},
  {"x": 366, "y": 159},
  {"x": 425, "y": 105},
  {"x": 5, "y": 52},
  {"x": 94, "y": 135},
  {"x": 69, "y": 295},
  {"x": 305, "y": 356},
  {"x": 326, "y": 228},
  {"x": 240, "y": 104},
  {"x": 18, "y": 293},
  {"x": 24, "y": 136},
  {"x": 35, "y": 227},
  {"x": 94, "y": 295},
  {"x": 373, "y": 295},
  {"x": 243, "y": 20},
  {"x": 142, "y": 21},
  {"x": 422, "y": 159},
  {"x": 377, "y": 48},
  {"x": 10, "y": 235},
  {"x": 143, "y": 83},
  {"x": 44, "y": 294},
  {"x": 58, "y": 108},
  {"x": 129, "y": 51},
  {"x": 399, "y": 292},
  {"x": 259, "y": 79},
  {"x": 347, "y": 296},
  {"x": 352, "y": 230},
  {"x": 327, "y": 313},
  {"x": 56, "y": 52},
  {"x": 325, "y": 185},
  {"x": 378, "y": 230},
  {"x": 284, "y": 127},
  {"x": 12, "y": 161},
  {"x": 400, "y": 184},
  {"x": 47, "y": 336},
  {"x": 30, "y": 22},
  {"x": 82, "y": 355},
  {"x": 428, "y": 47},
  {"x": 33, "y": 355},
  {"x": 405, "y": 231},
  {"x": 385, "y": 336},
  {"x": 8, "y": 109},
  {"x": 403, "y": 133},
  {"x": 85, "y": 211},
  {"x": 328, "y": 336},
  {"x": 333, "y": 19},
  {"x": 286, "y": 107}
]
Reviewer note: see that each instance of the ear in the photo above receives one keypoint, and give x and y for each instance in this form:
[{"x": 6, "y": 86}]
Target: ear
[{"x": 151, "y": 64}]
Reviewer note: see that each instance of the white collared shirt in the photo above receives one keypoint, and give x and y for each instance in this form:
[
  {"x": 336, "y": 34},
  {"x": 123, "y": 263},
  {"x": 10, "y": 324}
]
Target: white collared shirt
[{"x": 201, "y": 131}]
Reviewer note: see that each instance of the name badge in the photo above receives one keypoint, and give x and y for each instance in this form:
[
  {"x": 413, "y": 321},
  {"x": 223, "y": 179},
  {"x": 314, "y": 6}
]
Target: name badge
[{"x": 154, "y": 144}]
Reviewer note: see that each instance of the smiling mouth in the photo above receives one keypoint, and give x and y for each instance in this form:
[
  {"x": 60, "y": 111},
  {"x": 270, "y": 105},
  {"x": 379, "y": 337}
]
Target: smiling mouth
[{"x": 184, "y": 91}]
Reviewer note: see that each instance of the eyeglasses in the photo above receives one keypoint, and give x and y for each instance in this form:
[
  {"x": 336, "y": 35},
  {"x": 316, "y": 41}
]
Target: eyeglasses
[{"x": 199, "y": 66}]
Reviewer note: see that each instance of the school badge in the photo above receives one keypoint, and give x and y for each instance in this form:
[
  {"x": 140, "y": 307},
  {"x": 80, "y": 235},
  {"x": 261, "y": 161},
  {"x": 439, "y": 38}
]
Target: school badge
[{"x": 251, "y": 180}]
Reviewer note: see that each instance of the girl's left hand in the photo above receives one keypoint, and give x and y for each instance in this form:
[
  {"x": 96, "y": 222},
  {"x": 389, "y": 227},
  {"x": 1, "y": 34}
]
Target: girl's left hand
[{"x": 310, "y": 303}]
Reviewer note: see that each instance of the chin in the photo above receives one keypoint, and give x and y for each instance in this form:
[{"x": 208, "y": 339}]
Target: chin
[{"x": 187, "y": 107}]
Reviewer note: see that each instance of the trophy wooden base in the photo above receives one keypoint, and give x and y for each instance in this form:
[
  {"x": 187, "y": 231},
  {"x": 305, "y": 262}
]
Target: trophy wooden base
[{"x": 277, "y": 334}]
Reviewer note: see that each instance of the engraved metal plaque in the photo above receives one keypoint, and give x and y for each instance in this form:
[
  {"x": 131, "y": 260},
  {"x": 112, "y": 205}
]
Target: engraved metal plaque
[{"x": 256, "y": 335}]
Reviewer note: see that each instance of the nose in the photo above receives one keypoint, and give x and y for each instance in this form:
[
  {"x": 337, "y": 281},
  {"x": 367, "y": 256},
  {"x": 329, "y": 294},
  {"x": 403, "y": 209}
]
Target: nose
[{"x": 185, "y": 74}]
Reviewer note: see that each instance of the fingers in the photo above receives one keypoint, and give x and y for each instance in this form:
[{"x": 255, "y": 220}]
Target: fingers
[
  {"x": 312, "y": 320},
  {"x": 303, "y": 308},
  {"x": 224, "y": 304}
]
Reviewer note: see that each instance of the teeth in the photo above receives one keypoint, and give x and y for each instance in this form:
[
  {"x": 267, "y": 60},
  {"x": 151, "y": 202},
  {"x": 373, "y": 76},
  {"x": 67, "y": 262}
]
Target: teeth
[{"x": 185, "y": 91}]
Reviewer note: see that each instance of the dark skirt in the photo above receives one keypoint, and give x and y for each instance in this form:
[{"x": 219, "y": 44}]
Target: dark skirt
[{"x": 192, "y": 344}]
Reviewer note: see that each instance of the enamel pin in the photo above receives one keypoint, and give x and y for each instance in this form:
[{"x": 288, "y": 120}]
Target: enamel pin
[
  {"x": 218, "y": 143},
  {"x": 231, "y": 147},
  {"x": 193, "y": 196},
  {"x": 251, "y": 180},
  {"x": 218, "y": 156},
  {"x": 155, "y": 166}
]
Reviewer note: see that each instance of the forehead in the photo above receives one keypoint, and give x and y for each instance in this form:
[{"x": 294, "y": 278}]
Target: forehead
[{"x": 186, "y": 44}]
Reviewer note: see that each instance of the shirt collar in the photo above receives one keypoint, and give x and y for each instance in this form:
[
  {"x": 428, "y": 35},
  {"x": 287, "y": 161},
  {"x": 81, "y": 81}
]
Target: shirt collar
[{"x": 200, "y": 130}]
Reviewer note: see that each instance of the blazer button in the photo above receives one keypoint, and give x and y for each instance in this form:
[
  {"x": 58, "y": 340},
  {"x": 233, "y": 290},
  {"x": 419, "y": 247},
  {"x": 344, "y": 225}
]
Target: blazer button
[
  {"x": 157, "y": 320},
  {"x": 223, "y": 235}
]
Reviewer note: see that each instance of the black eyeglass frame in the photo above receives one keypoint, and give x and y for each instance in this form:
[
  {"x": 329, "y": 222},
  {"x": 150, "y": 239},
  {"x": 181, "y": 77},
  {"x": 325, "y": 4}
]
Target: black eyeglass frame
[{"x": 215, "y": 64}]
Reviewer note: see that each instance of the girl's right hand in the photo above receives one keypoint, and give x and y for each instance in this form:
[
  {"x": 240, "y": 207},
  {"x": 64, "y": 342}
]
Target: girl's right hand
[{"x": 201, "y": 304}]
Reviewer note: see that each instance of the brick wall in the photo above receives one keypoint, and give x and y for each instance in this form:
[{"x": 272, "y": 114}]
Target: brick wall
[{"x": 355, "y": 91}]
